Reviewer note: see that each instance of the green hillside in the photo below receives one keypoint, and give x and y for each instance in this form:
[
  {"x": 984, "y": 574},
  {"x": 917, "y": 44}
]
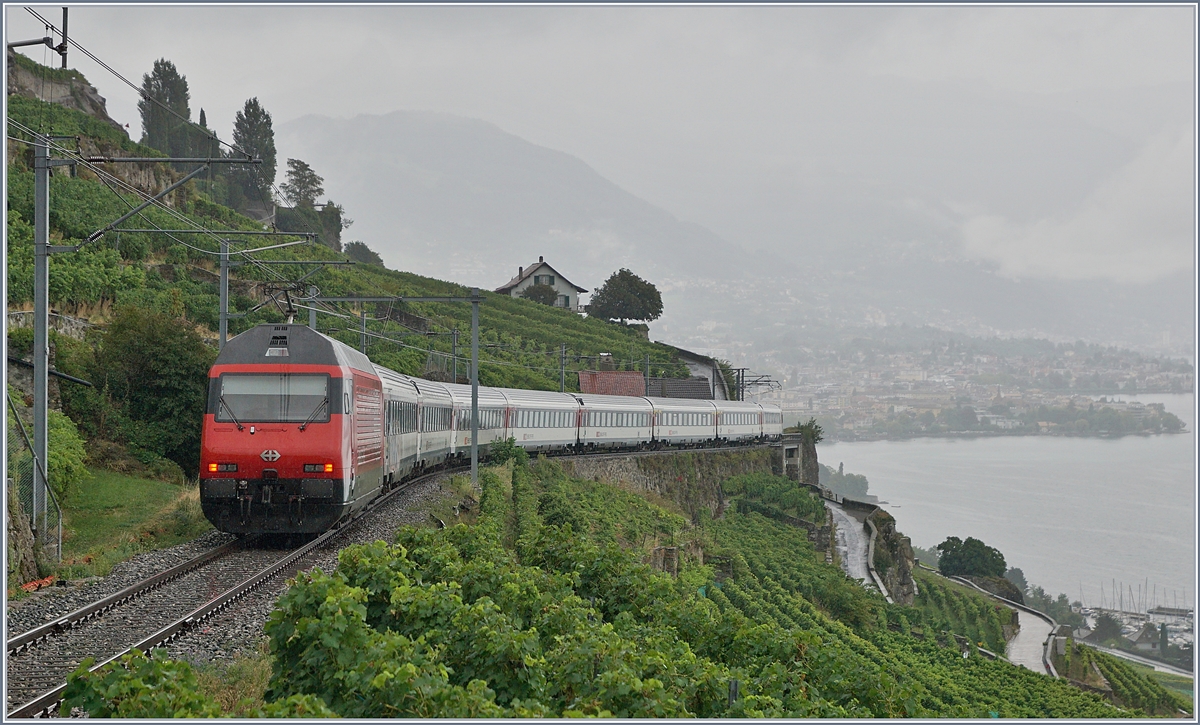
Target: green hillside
[
  {"x": 544, "y": 607},
  {"x": 520, "y": 340},
  {"x": 164, "y": 288}
]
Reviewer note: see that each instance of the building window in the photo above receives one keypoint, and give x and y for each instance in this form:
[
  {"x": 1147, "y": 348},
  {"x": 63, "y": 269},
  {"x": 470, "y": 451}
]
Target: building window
[{"x": 564, "y": 301}]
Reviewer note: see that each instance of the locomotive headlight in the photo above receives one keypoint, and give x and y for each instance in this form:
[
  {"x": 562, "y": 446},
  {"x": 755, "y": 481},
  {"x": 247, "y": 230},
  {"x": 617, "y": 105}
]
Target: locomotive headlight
[
  {"x": 222, "y": 467},
  {"x": 212, "y": 468},
  {"x": 318, "y": 468}
]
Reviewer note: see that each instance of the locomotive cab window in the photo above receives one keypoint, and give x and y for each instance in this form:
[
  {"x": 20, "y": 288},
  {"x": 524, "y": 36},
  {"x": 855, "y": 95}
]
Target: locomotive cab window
[{"x": 273, "y": 398}]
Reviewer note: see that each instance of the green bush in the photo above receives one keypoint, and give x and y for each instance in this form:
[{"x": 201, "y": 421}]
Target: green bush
[
  {"x": 784, "y": 494},
  {"x": 502, "y": 452},
  {"x": 67, "y": 451},
  {"x": 151, "y": 376},
  {"x": 141, "y": 686}
]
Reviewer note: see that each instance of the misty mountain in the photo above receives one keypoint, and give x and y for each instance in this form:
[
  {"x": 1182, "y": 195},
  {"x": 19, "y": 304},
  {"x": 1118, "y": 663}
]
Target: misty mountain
[{"x": 461, "y": 199}]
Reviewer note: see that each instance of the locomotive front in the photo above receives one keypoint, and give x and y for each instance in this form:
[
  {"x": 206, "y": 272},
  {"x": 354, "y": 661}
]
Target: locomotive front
[{"x": 276, "y": 444}]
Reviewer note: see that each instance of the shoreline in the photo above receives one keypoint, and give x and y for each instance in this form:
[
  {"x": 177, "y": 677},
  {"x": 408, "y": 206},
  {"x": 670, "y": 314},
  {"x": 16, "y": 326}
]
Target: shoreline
[{"x": 1000, "y": 434}]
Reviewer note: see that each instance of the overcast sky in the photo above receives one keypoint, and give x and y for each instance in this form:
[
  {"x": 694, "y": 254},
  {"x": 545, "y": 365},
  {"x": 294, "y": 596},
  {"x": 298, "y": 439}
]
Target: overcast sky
[{"x": 1051, "y": 141}]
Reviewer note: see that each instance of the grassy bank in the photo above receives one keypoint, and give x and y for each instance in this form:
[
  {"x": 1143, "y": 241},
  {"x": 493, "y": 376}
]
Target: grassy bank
[{"x": 114, "y": 516}]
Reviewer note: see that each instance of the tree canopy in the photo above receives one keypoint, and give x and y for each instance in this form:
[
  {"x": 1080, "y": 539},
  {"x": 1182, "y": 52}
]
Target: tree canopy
[
  {"x": 811, "y": 433},
  {"x": 971, "y": 558},
  {"x": 151, "y": 375},
  {"x": 333, "y": 221},
  {"x": 360, "y": 252},
  {"x": 543, "y": 293},
  {"x": 626, "y": 296},
  {"x": 253, "y": 133},
  {"x": 164, "y": 110},
  {"x": 1017, "y": 577},
  {"x": 303, "y": 185}
]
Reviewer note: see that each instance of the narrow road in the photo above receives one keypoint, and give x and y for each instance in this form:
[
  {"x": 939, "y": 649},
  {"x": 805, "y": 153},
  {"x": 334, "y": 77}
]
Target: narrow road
[
  {"x": 1160, "y": 666},
  {"x": 1027, "y": 647},
  {"x": 851, "y": 543}
]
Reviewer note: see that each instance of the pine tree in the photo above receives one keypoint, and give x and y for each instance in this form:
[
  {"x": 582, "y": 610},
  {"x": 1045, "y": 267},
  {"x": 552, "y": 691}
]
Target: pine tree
[
  {"x": 164, "y": 110},
  {"x": 253, "y": 134},
  {"x": 303, "y": 185}
]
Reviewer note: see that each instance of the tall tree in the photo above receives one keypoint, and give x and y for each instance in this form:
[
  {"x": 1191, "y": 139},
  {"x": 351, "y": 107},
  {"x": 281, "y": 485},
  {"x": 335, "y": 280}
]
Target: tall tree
[
  {"x": 252, "y": 133},
  {"x": 333, "y": 222},
  {"x": 164, "y": 110},
  {"x": 626, "y": 296},
  {"x": 303, "y": 185}
]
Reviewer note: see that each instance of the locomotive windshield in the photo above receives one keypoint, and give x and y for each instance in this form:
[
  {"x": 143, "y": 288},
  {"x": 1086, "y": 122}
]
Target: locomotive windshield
[{"x": 273, "y": 398}]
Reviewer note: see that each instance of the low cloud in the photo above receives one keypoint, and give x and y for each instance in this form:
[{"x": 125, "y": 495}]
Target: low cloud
[{"x": 1136, "y": 226}]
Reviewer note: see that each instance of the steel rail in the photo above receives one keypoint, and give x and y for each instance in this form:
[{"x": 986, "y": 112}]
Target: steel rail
[
  {"x": 42, "y": 704},
  {"x": 40, "y": 634}
]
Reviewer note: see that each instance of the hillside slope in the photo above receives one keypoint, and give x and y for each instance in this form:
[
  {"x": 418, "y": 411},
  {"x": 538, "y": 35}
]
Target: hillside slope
[
  {"x": 544, "y": 606},
  {"x": 520, "y": 340}
]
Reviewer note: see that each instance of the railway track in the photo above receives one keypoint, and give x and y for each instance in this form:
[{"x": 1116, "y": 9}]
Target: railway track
[
  {"x": 148, "y": 613},
  {"x": 153, "y": 612}
]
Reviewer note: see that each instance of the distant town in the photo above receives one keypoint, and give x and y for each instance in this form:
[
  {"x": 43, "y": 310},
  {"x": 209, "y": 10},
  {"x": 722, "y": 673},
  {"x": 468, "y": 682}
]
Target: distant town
[{"x": 957, "y": 389}]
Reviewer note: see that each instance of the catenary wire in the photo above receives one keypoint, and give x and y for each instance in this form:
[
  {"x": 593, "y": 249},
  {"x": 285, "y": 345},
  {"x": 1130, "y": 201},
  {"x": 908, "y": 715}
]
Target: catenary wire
[{"x": 208, "y": 132}]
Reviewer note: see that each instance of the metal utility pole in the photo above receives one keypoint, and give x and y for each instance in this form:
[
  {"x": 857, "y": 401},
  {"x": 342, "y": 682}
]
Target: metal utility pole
[
  {"x": 454, "y": 354},
  {"x": 646, "y": 373},
  {"x": 41, "y": 321},
  {"x": 62, "y": 49},
  {"x": 475, "y": 300},
  {"x": 562, "y": 369},
  {"x": 312, "y": 311}
]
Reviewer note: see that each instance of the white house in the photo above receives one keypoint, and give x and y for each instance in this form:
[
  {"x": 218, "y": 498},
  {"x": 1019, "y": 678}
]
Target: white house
[{"x": 542, "y": 273}]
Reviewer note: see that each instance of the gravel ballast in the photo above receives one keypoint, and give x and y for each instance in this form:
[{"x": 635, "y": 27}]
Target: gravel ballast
[
  {"x": 237, "y": 631},
  {"x": 52, "y": 603}
]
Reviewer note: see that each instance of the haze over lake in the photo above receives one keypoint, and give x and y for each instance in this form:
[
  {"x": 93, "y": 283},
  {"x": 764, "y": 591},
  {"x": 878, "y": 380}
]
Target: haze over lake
[{"x": 1071, "y": 513}]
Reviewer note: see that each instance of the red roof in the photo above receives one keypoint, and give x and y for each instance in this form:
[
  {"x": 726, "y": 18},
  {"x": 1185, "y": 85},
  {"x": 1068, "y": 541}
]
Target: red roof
[{"x": 612, "y": 382}]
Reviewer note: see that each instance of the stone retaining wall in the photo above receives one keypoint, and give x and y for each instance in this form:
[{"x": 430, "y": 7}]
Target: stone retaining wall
[{"x": 689, "y": 479}]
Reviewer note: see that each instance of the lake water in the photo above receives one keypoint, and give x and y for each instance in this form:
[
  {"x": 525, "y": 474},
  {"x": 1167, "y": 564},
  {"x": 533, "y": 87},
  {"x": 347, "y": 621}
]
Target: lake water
[{"x": 1072, "y": 513}]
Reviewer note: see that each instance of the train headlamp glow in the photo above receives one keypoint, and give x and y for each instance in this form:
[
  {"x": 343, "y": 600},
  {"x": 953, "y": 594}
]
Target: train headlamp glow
[
  {"x": 318, "y": 468},
  {"x": 223, "y": 467}
]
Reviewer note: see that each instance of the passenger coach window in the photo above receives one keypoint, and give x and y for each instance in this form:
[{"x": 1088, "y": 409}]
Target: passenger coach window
[{"x": 273, "y": 398}]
